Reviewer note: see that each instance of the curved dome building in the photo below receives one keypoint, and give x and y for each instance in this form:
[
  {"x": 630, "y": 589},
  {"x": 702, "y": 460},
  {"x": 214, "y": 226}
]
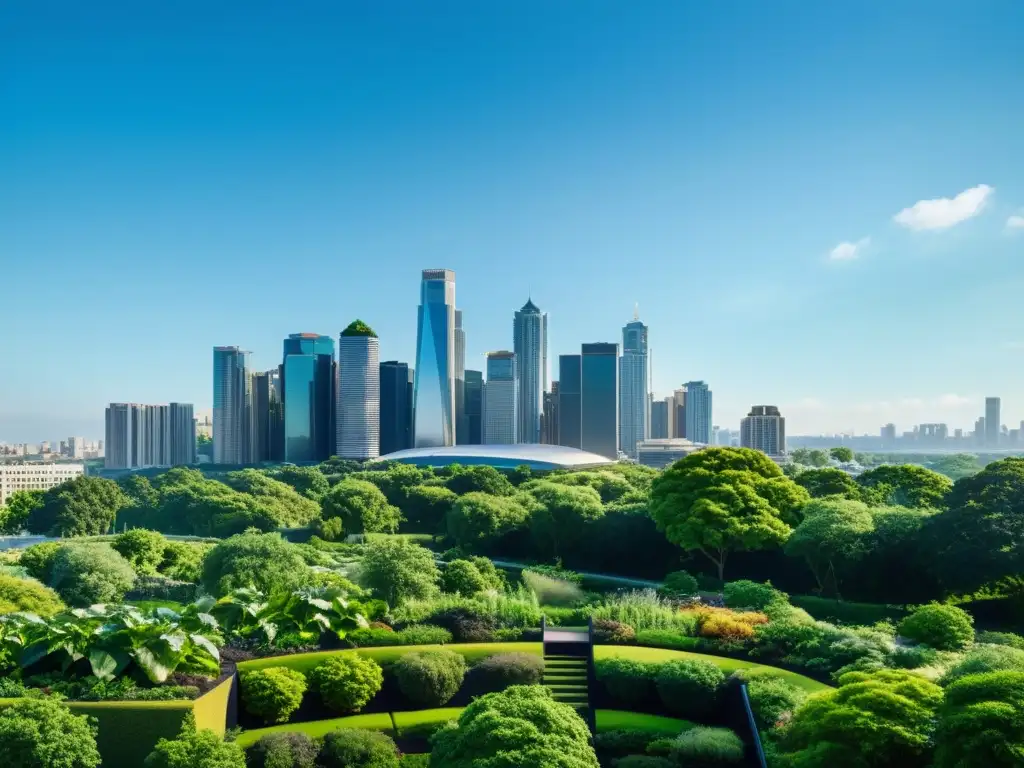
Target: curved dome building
[{"x": 533, "y": 455}]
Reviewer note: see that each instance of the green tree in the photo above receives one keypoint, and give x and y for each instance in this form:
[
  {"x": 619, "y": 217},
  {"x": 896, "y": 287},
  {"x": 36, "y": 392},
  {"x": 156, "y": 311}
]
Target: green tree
[
  {"x": 361, "y": 506},
  {"x": 981, "y": 723},
  {"x": 261, "y": 560},
  {"x": 83, "y": 506},
  {"x": 478, "y": 519},
  {"x": 426, "y": 507},
  {"x": 609, "y": 485},
  {"x": 833, "y": 535},
  {"x": 722, "y": 500},
  {"x": 288, "y": 507},
  {"x": 86, "y": 574},
  {"x": 398, "y": 570},
  {"x": 196, "y": 749},
  {"x": 523, "y": 722},
  {"x": 394, "y": 479},
  {"x": 43, "y": 733},
  {"x": 142, "y": 548},
  {"x": 817, "y": 458},
  {"x": 38, "y": 560},
  {"x": 562, "y": 512},
  {"x": 139, "y": 490},
  {"x": 876, "y": 719},
  {"x": 801, "y": 456},
  {"x": 19, "y": 507},
  {"x": 828, "y": 481},
  {"x": 957, "y": 466},
  {"x": 463, "y": 577},
  {"x": 309, "y": 481},
  {"x": 479, "y": 479},
  {"x": 904, "y": 485},
  {"x": 893, "y": 568},
  {"x": 842, "y": 454}
]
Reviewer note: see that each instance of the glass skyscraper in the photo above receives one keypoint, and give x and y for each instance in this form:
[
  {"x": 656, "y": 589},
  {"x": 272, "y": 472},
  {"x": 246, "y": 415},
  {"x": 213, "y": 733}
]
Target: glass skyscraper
[
  {"x": 267, "y": 416},
  {"x": 434, "y": 393},
  {"x": 698, "y": 412},
  {"x": 474, "y": 407},
  {"x": 232, "y": 414},
  {"x": 530, "y": 344},
  {"x": 599, "y": 426},
  {"x": 358, "y": 413},
  {"x": 396, "y": 382},
  {"x": 460, "y": 379},
  {"x": 634, "y": 422},
  {"x": 307, "y": 380},
  {"x": 501, "y": 399},
  {"x": 570, "y": 401}
]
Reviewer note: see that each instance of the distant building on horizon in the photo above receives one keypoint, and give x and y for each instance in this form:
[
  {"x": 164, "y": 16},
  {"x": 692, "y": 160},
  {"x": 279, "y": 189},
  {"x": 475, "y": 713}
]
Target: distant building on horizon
[
  {"x": 764, "y": 429},
  {"x": 396, "y": 383},
  {"x": 501, "y": 400},
  {"x": 358, "y": 408},
  {"x": 634, "y": 423},
  {"x": 138, "y": 435},
  {"x": 434, "y": 391},
  {"x": 663, "y": 452},
  {"x": 474, "y": 387},
  {"x": 308, "y": 383},
  {"x": 659, "y": 420},
  {"x": 33, "y": 476},
  {"x": 232, "y": 418},
  {"x": 698, "y": 412},
  {"x": 599, "y": 423},
  {"x": 530, "y": 345},
  {"x": 992, "y": 422}
]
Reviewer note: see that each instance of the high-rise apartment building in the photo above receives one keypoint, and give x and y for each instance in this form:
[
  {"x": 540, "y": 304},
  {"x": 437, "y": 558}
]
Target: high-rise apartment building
[
  {"x": 434, "y": 392},
  {"x": 888, "y": 435},
  {"x": 474, "y": 407},
  {"x": 396, "y": 382},
  {"x": 659, "y": 420},
  {"x": 764, "y": 429},
  {"x": 698, "y": 412},
  {"x": 570, "y": 401},
  {"x": 549, "y": 417},
  {"x": 307, "y": 380},
  {"x": 599, "y": 424},
  {"x": 530, "y": 344},
  {"x": 980, "y": 431},
  {"x": 149, "y": 435},
  {"x": 634, "y": 418},
  {"x": 182, "y": 448},
  {"x": 460, "y": 380},
  {"x": 677, "y": 405},
  {"x": 358, "y": 412},
  {"x": 501, "y": 399},
  {"x": 992, "y": 422},
  {"x": 35, "y": 477},
  {"x": 267, "y": 416},
  {"x": 232, "y": 415}
]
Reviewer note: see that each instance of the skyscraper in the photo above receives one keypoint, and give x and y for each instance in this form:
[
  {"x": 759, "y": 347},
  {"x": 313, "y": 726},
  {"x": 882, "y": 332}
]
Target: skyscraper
[
  {"x": 474, "y": 407},
  {"x": 677, "y": 417},
  {"x": 358, "y": 412},
  {"x": 395, "y": 407},
  {"x": 992, "y": 422},
  {"x": 434, "y": 393},
  {"x": 549, "y": 417},
  {"x": 659, "y": 420},
  {"x": 232, "y": 432},
  {"x": 501, "y": 399},
  {"x": 460, "y": 379},
  {"x": 307, "y": 380},
  {"x": 634, "y": 422},
  {"x": 698, "y": 412},
  {"x": 268, "y": 416},
  {"x": 764, "y": 429},
  {"x": 530, "y": 344},
  {"x": 182, "y": 435},
  {"x": 149, "y": 435},
  {"x": 599, "y": 424},
  {"x": 570, "y": 400}
]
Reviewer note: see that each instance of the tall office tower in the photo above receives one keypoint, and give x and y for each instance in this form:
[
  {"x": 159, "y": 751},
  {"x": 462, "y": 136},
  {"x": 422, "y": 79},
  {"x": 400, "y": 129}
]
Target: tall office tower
[
  {"x": 678, "y": 406},
  {"x": 888, "y": 435},
  {"x": 434, "y": 393},
  {"x": 232, "y": 433},
  {"x": 980, "y": 431},
  {"x": 599, "y": 423},
  {"x": 474, "y": 407},
  {"x": 698, "y": 412},
  {"x": 501, "y": 399},
  {"x": 460, "y": 380},
  {"x": 267, "y": 416},
  {"x": 634, "y": 416},
  {"x": 358, "y": 393},
  {"x": 570, "y": 400},
  {"x": 992, "y": 422},
  {"x": 395, "y": 407},
  {"x": 76, "y": 448},
  {"x": 307, "y": 380},
  {"x": 530, "y": 344},
  {"x": 182, "y": 437},
  {"x": 549, "y": 417},
  {"x": 659, "y": 420},
  {"x": 118, "y": 436},
  {"x": 764, "y": 429}
]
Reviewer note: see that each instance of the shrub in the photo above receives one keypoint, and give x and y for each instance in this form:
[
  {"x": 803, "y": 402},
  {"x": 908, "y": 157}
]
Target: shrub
[
  {"x": 678, "y": 585},
  {"x": 28, "y": 596},
  {"x": 467, "y": 625},
  {"x": 414, "y": 634},
  {"x": 620, "y": 743},
  {"x": 629, "y": 683},
  {"x": 498, "y": 672},
  {"x": 361, "y": 506},
  {"x": 398, "y": 570},
  {"x": 347, "y": 682},
  {"x": 689, "y": 688},
  {"x": 142, "y": 548},
  {"x": 703, "y": 747},
  {"x": 162, "y": 588},
  {"x": 430, "y": 678},
  {"x": 38, "y": 560},
  {"x": 725, "y": 624},
  {"x": 643, "y": 761},
  {"x": 41, "y": 733},
  {"x": 751, "y": 595},
  {"x": 643, "y": 609},
  {"x": 183, "y": 562},
  {"x": 980, "y": 723},
  {"x": 611, "y": 632},
  {"x": 283, "y": 750},
  {"x": 1001, "y": 638},
  {"x": 85, "y": 574},
  {"x": 195, "y": 749},
  {"x": 463, "y": 577},
  {"x": 354, "y": 748},
  {"x": 252, "y": 559},
  {"x": 772, "y": 699},
  {"x": 944, "y": 627},
  {"x": 981, "y": 659},
  {"x": 331, "y": 529},
  {"x": 415, "y": 761},
  {"x": 273, "y": 693},
  {"x": 668, "y": 638},
  {"x": 494, "y": 578}
]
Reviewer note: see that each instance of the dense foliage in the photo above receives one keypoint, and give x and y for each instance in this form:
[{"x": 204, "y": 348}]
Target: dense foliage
[
  {"x": 272, "y": 693},
  {"x": 85, "y": 574},
  {"x": 27, "y": 595},
  {"x": 41, "y": 733},
  {"x": 347, "y": 683},
  {"x": 83, "y": 506},
  {"x": 397, "y": 570},
  {"x": 354, "y": 748},
  {"x": 196, "y": 749},
  {"x": 430, "y": 678},
  {"x": 261, "y": 561},
  {"x": 361, "y": 507},
  {"x": 142, "y": 548},
  {"x": 283, "y": 750},
  {"x": 944, "y": 627},
  {"x": 981, "y": 723}
]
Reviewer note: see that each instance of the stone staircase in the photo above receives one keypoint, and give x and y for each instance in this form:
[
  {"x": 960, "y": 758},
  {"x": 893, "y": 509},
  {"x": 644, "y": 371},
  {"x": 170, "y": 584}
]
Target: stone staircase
[{"x": 569, "y": 667}]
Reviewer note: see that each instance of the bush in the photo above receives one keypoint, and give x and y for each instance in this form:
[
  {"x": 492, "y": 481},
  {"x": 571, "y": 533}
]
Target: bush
[
  {"x": 346, "y": 683},
  {"x": 498, "y": 672},
  {"x": 331, "y": 529},
  {"x": 398, "y": 570},
  {"x": 86, "y": 574},
  {"x": 361, "y": 507},
  {"x": 623, "y": 742},
  {"x": 1001, "y": 638},
  {"x": 38, "y": 560},
  {"x": 751, "y": 595},
  {"x": 261, "y": 560},
  {"x": 689, "y": 688},
  {"x": 944, "y": 627},
  {"x": 272, "y": 693},
  {"x": 195, "y": 749},
  {"x": 283, "y": 750},
  {"x": 467, "y": 625},
  {"x": 989, "y": 658},
  {"x": 726, "y": 624},
  {"x": 414, "y": 634},
  {"x": 463, "y": 577},
  {"x": 981, "y": 723},
  {"x": 354, "y": 748},
  {"x": 162, "y": 588},
  {"x": 430, "y": 678},
  {"x": 27, "y": 596},
  {"x": 679, "y": 585},
  {"x": 668, "y": 638},
  {"x": 41, "y": 733},
  {"x": 643, "y": 761},
  {"x": 142, "y": 548},
  {"x": 643, "y": 609},
  {"x": 183, "y": 562},
  {"x": 611, "y": 632},
  {"x": 703, "y": 747},
  {"x": 629, "y": 683},
  {"x": 772, "y": 699}
]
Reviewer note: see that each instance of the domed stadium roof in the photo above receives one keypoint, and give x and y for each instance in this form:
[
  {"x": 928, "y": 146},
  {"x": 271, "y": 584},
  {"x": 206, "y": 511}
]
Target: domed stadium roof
[{"x": 533, "y": 455}]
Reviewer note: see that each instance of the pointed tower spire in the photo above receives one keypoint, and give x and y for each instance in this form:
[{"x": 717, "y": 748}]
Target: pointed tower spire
[{"x": 636, "y": 311}]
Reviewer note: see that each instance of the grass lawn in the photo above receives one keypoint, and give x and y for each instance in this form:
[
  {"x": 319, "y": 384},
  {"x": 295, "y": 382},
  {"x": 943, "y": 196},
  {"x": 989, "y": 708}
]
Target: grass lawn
[{"x": 617, "y": 719}]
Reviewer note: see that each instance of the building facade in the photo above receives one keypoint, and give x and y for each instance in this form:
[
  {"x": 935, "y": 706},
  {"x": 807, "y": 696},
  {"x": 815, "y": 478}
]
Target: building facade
[
  {"x": 599, "y": 423},
  {"x": 474, "y": 387},
  {"x": 663, "y": 452},
  {"x": 698, "y": 412},
  {"x": 139, "y": 436},
  {"x": 267, "y": 416},
  {"x": 232, "y": 415},
  {"x": 434, "y": 392},
  {"x": 396, "y": 382},
  {"x": 634, "y": 419},
  {"x": 764, "y": 429},
  {"x": 530, "y": 345},
  {"x": 549, "y": 417},
  {"x": 659, "y": 420},
  {"x": 570, "y": 401},
  {"x": 358, "y": 412},
  {"x": 992, "y": 422},
  {"x": 35, "y": 477},
  {"x": 501, "y": 400},
  {"x": 307, "y": 381},
  {"x": 460, "y": 379}
]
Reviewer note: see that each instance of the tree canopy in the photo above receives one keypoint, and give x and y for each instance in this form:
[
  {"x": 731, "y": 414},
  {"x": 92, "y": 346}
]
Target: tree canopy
[
  {"x": 361, "y": 506},
  {"x": 20, "y": 505},
  {"x": 561, "y": 513},
  {"x": 904, "y": 485},
  {"x": 832, "y": 536},
  {"x": 261, "y": 560},
  {"x": 478, "y": 519},
  {"x": 841, "y": 454},
  {"x": 82, "y": 506},
  {"x": 828, "y": 481},
  {"x": 981, "y": 723},
  {"x": 43, "y": 733},
  {"x": 480, "y": 478},
  {"x": 398, "y": 570}
]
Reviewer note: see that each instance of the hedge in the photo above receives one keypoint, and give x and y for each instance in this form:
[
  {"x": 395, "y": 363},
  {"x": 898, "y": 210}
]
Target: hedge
[{"x": 825, "y": 609}]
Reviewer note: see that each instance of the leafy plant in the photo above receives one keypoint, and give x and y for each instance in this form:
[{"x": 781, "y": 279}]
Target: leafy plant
[
  {"x": 346, "y": 683},
  {"x": 498, "y": 672},
  {"x": 273, "y": 693},
  {"x": 283, "y": 750},
  {"x": 704, "y": 747},
  {"x": 27, "y": 595},
  {"x": 430, "y": 678},
  {"x": 629, "y": 682},
  {"x": 354, "y": 748},
  {"x": 142, "y": 548},
  {"x": 42, "y": 733},
  {"x": 944, "y": 627},
  {"x": 678, "y": 585},
  {"x": 751, "y": 596},
  {"x": 689, "y": 688},
  {"x": 195, "y": 749},
  {"x": 85, "y": 574}
]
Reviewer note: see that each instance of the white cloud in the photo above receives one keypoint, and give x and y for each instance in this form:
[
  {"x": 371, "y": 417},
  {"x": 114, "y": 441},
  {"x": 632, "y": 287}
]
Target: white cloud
[
  {"x": 846, "y": 251},
  {"x": 1015, "y": 222},
  {"x": 944, "y": 212},
  {"x": 954, "y": 401}
]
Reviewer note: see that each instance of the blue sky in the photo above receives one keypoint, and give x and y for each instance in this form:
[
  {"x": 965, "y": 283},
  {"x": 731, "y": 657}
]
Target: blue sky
[{"x": 175, "y": 176}]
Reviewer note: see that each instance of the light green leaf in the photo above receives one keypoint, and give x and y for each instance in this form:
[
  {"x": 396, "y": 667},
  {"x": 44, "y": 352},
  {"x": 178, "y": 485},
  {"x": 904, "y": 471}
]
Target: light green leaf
[
  {"x": 104, "y": 665},
  {"x": 206, "y": 645},
  {"x": 155, "y": 669}
]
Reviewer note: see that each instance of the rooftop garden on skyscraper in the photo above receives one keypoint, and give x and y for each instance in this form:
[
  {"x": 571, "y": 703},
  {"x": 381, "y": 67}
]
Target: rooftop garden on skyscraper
[{"x": 358, "y": 328}]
